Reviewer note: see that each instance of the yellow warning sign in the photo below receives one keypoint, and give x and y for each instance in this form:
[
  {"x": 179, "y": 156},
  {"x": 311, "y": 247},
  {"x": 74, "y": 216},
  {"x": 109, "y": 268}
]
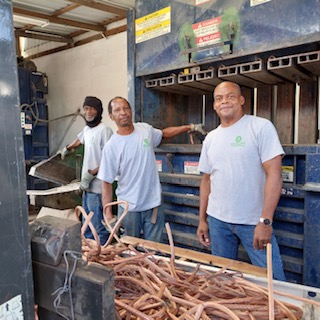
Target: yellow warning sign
[
  {"x": 287, "y": 173},
  {"x": 153, "y": 25}
]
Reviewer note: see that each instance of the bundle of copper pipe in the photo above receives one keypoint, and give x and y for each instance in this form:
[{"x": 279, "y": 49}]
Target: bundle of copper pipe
[{"x": 154, "y": 287}]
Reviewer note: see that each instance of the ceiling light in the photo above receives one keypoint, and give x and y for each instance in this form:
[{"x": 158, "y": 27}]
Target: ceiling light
[
  {"x": 45, "y": 24},
  {"x": 27, "y": 20}
]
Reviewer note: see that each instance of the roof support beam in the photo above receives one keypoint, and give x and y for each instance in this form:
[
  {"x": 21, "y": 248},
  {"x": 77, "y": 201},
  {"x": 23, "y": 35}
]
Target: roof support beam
[
  {"x": 102, "y": 7},
  {"x": 80, "y": 42},
  {"x": 100, "y": 36},
  {"x": 39, "y": 36},
  {"x": 68, "y": 22}
]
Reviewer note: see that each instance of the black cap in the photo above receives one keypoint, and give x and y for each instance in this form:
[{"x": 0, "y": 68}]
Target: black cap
[{"x": 93, "y": 102}]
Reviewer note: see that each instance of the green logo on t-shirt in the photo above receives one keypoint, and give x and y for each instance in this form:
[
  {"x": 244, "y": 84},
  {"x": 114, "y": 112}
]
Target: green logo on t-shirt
[
  {"x": 238, "y": 142},
  {"x": 146, "y": 143}
]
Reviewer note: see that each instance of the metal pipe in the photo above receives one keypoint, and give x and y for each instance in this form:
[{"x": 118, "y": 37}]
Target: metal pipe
[
  {"x": 274, "y": 105},
  {"x": 203, "y": 109},
  {"x": 78, "y": 166},
  {"x": 296, "y": 114},
  {"x": 318, "y": 107},
  {"x": 255, "y": 101}
]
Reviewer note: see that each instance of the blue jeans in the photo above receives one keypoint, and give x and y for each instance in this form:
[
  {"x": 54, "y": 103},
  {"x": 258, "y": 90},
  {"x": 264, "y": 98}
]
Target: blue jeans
[
  {"x": 226, "y": 237},
  {"x": 139, "y": 224},
  {"x": 92, "y": 202}
]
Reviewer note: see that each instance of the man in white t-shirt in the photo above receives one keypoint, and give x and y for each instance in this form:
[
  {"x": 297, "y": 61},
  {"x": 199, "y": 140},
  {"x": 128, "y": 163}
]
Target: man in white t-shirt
[
  {"x": 129, "y": 157},
  {"x": 93, "y": 136},
  {"x": 241, "y": 183}
]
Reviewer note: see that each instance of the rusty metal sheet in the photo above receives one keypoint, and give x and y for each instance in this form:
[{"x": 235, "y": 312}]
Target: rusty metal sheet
[{"x": 56, "y": 170}]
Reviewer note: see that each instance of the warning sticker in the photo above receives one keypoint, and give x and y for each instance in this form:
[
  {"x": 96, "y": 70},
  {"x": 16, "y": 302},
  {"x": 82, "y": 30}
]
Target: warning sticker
[
  {"x": 207, "y": 32},
  {"x": 256, "y": 2},
  {"x": 287, "y": 173},
  {"x": 191, "y": 167},
  {"x": 153, "y": 25},
  {"x": 198, "y": 2},
  {"x": 12, "y": 309},
  {"x": 159, "y": 165}
]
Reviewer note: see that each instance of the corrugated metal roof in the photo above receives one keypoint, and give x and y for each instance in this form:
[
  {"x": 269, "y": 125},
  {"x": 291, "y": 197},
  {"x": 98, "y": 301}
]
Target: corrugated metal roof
[{"x": 65, "y": 22}]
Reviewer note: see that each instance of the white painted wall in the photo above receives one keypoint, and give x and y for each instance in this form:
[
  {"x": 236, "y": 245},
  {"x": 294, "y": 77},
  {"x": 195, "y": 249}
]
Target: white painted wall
[{"x": 96, "y": 69}]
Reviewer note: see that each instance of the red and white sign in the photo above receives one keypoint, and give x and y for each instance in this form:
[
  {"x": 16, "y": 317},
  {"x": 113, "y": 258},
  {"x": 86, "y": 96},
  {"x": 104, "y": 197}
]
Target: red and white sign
[
  {"x": 191, "y": 167},
  {"x": 208, "y": 39},
  {"x": 159, "y": 165},
  {"x": 207, "y": 32}
]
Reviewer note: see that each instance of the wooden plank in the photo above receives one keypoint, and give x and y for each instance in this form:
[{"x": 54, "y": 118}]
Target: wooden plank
[
  {"x": 285, "y": 113},
  {"x": 248, "y": 106},
  {"x": 308, "y": 113},
  {"x": 198, "y": 256},
  {"x": 264, "y": 108}
]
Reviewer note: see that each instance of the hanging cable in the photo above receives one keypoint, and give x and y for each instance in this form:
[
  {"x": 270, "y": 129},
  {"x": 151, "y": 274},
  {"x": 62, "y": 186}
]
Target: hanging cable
[{"x": 66, "y": 288}]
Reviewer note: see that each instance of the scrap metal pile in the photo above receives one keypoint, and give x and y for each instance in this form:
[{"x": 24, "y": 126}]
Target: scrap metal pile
[{"x": 153, "y": 287}]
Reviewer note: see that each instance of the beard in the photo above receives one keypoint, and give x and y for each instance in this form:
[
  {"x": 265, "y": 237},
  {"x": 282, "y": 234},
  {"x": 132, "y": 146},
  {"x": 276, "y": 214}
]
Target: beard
[{"x": 94, "y": 122}]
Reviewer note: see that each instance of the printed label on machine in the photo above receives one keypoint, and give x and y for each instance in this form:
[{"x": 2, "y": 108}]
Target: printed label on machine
[
  {"x": 153, "y": 25},
  {"x": 256, "y": 2},
  {"x": 23, "y": 119},
  {"x": 287, "y": 173},
  {"x": 159, "y": 165},
  {"x": 12, "y": 309},
  {"x": 191, "y": 167},
  {"x": 207, "y": 32},
  {"x": 198, "y": 2}
]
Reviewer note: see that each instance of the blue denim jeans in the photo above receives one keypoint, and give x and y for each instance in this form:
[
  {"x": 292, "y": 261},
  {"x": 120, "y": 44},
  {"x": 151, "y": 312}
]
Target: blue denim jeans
[
  {"x": 226, "y": 237},
  {"x": 139, "y": 224},
  {"x": 92, "y": 202}
]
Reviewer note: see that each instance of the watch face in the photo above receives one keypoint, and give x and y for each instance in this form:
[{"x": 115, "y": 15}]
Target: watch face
[{"x": 267, "y": 222}]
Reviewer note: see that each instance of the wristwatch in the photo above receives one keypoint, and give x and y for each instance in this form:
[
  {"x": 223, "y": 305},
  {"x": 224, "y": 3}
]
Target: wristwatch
[{"x": 266, "y": 221}]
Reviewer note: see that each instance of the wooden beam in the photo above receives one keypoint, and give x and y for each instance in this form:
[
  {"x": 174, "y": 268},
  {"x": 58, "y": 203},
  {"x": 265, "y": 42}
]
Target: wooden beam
[
  {"x": 109, "y": 21},
  {"x": 27, "y": 27},
  {"x": 102, "y": 7},
  {"x": 79, "y": 43},
  {"x": 101, "y": 35},
  {"x": 65, "y": 9},
  {"x": 106, "y": 22},
  {"x": 68, "y": 22},
  {"x": 44, "y": 37},
  {"x": 196, "y": 256},
  {"x": 18, "y": 46},
  {"x": 76, "y": 33},
  {"x": 51, "y": 51}
]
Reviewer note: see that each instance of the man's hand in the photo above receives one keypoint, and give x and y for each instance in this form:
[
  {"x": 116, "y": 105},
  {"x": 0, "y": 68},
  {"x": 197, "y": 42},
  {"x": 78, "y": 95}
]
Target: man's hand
[
  {"x": 262, "y": 236},
  {"x": 203, "y": 234},
  {"x": 197, "y": 128},
  {"x": 85, "y": 181},
  {"x": 64, "y": 152}
]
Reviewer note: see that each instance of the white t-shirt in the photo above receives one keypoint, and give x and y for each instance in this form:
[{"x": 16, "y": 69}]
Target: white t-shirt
[
  {"x": 233, "y": 157},
  {"x": 131, "y": 159},
  {"x": 94, "y": 140}
]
